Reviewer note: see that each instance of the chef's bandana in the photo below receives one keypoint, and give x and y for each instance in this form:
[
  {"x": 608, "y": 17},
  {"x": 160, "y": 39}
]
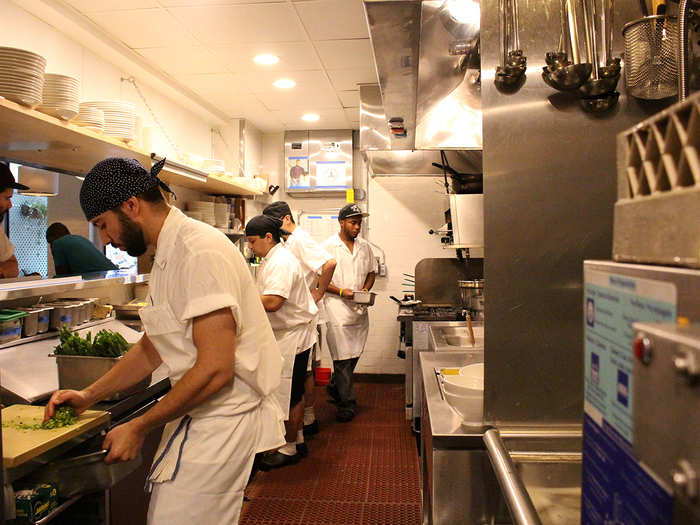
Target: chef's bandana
[
  {"x": 263, "y": 224},
  {"x": 113, "y": 181}
]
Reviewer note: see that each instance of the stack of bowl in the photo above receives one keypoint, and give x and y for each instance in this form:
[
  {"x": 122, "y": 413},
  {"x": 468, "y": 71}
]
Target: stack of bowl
[
  {"x": 221, "y": 214},
  {"x": 465, "y": 393},
  {"x": 60, "y": 96}
]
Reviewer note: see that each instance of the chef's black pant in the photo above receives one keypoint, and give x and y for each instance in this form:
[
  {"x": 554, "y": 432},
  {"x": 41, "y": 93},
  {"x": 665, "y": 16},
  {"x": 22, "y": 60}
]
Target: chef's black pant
[{"x": 342, "y": 382}]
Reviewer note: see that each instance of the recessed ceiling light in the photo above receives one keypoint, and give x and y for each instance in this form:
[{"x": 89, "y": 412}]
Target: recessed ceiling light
[
  {"x": 284, "y": 83},
  {"x": 266, "y": 59},
  {"x": 310, "y": 117}
]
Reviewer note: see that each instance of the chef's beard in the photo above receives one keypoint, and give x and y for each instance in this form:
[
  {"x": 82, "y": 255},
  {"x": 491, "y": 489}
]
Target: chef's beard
[{"x": 132, "y": 239}]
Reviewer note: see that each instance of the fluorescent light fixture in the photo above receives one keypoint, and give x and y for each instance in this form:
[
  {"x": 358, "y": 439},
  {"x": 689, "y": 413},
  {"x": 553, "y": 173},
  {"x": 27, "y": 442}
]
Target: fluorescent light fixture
[
  {"x": 284, "y": 83},
  {"x": 310, "y": 117},
  {"x": 41, "y": 183},
  {"x": 266, "y": 59}
]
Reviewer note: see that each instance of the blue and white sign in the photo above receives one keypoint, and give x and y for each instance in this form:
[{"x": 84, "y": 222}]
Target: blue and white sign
[{"x": 616, "y": 488}]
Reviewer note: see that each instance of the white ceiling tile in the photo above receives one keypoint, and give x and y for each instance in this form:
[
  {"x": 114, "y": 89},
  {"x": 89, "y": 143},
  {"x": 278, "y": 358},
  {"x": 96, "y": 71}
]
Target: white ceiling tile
[
  {"x": 350, "y": 99},
  {"x": 292, "y": 55},
  {"x": 352, "y": 113},
  {"x": 222, "y": 90},
  {"x": 329, "y": 119},
  {"x": 93, "y": 6},
  {"x": 139, "y": 28},
  {"x": 348, "y": 79},
  {"x": 183, "y": 59},
  {"x": 333, "y": 19},
  {"x": 241, "y": 23},
  {"x": 190, "y": 3},
  {"x": 261, "y": 81},
  {"x": 306, "y": 99},
  {"x": 346, "y": 54}
]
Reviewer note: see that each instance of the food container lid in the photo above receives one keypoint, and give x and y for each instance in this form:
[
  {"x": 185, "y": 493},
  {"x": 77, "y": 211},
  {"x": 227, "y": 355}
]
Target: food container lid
[{"x": 11, "y": 315}]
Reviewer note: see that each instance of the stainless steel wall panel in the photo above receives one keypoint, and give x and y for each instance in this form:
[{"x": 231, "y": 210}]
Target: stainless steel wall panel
[{"x": 549, "y": 189}]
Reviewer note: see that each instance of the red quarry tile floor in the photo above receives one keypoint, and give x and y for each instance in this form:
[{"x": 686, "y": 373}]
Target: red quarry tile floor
[{"x": 360, "y": 473}]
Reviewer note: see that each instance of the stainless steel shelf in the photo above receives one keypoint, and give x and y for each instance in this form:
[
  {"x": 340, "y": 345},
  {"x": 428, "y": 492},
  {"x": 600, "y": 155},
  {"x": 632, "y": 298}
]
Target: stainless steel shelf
[
  {"x": 54, "y": 333},
  {"x": 34, "y": 289}
]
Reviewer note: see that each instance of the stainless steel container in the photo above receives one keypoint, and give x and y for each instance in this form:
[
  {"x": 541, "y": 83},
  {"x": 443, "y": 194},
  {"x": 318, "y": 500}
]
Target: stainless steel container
[
  {"x": 77, "y": 372},
  {"x": 472, "y": 296},
  {"x": 62, "y": 314},
  {"x": 30, "y": 327}
]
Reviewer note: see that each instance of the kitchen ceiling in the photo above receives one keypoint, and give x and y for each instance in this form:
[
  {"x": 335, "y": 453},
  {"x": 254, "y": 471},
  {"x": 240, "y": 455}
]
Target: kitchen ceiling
[{"x": 207, "y": 47}]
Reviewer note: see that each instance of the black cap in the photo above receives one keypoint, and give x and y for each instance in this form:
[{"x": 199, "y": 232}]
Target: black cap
[
  {"x": 7, "y": 180},
  {"x": 261, "y": 225},
  {"x": 279, "y": 210},
  {"x": 351, "y": 210}
]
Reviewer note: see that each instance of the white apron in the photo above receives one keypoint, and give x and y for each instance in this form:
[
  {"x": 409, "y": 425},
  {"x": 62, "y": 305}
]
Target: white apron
[
  {"x": 288, "y": 342},
  {"x": 347, "y": 328},
  {"x": 203, "y": 463}
]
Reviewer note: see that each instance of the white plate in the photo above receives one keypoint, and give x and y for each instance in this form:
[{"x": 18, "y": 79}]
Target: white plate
[{"x": 62, "y": 113}]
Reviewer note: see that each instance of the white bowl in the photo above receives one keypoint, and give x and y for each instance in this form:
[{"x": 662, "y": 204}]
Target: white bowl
[
  {"x": 469, "y": 382},
  {"x": 470, "y": 408}
]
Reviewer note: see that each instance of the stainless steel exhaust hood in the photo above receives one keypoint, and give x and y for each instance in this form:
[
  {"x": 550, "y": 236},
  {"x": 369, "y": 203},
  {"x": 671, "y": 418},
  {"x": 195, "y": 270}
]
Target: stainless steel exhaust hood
[{"x": 428, "y": 66}]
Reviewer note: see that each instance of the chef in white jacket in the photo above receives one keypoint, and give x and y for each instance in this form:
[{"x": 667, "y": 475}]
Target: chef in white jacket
[
  {"x": 292, "y": 312},
  {"x": 348, "y": 322},
  {"x": 318, "y": 267},
  {"x": 205, "y": 323}
]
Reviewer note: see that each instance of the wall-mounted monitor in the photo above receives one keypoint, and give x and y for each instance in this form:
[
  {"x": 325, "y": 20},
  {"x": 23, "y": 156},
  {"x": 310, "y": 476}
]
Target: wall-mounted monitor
[{"x": 318, "y": 161}]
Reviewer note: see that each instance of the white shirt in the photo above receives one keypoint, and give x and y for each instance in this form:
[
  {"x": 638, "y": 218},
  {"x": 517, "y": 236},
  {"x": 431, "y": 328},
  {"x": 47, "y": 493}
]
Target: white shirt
[
  {"x": 310, "y": 254},
  {"x": 281, "y": 274},
  {"x": 350, "y": 274},
  {"x": 7, "y": 249},
  {"x": 197, "y": 270}
]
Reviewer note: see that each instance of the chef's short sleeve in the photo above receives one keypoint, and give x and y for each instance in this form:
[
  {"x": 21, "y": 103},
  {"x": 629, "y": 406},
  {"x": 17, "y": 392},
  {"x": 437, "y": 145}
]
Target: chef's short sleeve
[
  {"x": 208, "y": 281},
  {"x": 7, "y": 249},
  {"x": 311, "y": 255},
  {"x": 279, "y": 279}
]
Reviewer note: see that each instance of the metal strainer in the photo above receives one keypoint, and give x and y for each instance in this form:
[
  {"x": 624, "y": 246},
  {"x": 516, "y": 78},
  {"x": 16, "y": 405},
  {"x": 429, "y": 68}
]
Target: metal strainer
[{"x": 651, "y": 70}]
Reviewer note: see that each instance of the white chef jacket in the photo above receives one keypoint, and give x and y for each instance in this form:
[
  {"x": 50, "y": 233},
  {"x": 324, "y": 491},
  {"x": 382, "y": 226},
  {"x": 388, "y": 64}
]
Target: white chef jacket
[
  {"x": 196, "y": 271},
  {"x": 348, "y": 322},
  {"x": 7, "y": 249},
  {"x": 281, "y": 274}
]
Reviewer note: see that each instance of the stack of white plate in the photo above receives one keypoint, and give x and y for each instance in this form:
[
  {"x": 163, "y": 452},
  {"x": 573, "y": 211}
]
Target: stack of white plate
[
  {"x": 61, "y": 96},
  {"x": 206, "y": 209},
  {"x": 21, "y": 76},
  {"x": 120, "y": 118},
  {"x": 90, "y": 118},
  {"x": 221, "y": 214},
  {"x": 194, "y": 215}
]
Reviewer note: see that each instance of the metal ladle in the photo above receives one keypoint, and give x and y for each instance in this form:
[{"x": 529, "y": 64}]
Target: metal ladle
[
  {"x": 559, "y": 58},
  {"x": 573, "y": 75},
  {"x": 598, "y": 93},
  {"x": 509, "y": 75}
]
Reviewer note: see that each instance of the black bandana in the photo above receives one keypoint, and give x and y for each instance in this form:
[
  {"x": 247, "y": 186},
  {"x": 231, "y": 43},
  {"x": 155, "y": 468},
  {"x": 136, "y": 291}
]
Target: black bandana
[
  {"x": 112, "y": 181},
  {"x": 262, "y": 224}
]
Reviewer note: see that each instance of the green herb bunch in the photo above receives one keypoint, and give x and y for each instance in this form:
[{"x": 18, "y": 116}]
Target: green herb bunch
[{"x": 105, "y": 344}]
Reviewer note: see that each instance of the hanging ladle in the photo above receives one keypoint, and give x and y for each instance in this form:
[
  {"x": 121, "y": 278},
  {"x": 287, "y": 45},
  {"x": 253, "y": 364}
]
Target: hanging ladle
[
  {"x": 573, "y": 75},
  {"x": 510, "y": 74},
  {"x": 598, "y": 93},
  {"x": 559, "y": 58}
]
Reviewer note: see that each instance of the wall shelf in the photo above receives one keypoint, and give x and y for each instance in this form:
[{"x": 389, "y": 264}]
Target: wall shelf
[{"x": 31, "y": 137}]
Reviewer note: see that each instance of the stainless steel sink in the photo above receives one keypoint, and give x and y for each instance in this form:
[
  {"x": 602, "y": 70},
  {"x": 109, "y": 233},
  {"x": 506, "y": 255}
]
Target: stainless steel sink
[{"x": 451, "y": 336}]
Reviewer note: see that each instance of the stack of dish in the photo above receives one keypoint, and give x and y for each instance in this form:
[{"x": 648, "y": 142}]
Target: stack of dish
[
  {"x": 194, "y": 215},
  {"x": 120, "y": 118},
  {"x": 90, "y": 118},
  {"x": 206, "y": 209},
  {"x": 465, "y": 393},
  {"x": 21, "y": 76},
  {"x": 221, "y": 214},
  {"x": 60, "y": 96}
]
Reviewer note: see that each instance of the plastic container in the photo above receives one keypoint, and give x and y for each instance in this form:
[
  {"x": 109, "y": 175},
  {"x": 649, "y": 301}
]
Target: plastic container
[
  {"x": 322, "y": 376},
  {"x": 11, "y": 325},
  {"x": 30, "y": 325}
]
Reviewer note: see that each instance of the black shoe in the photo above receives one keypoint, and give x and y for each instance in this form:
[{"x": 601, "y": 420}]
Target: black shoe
[
  {"x": 333, "y": 392},
  {"x": 311, "y": 429},
  {"x": 345, "y": 415},
  {"x": 277, "y": 460},
  {"x": 302, "y": 450}
]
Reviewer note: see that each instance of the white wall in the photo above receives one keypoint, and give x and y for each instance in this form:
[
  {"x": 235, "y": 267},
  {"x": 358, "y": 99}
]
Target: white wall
[{"x": 101, "y": 80}]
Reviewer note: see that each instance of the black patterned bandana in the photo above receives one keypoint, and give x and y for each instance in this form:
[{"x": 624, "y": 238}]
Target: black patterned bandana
[{"x": 113, "y": 181}]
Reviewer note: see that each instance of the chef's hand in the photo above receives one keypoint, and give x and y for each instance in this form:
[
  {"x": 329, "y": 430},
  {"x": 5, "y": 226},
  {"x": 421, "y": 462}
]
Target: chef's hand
[
  {"x": 348, "y": 294},
  {"x": 78, "y": 399},
  {"x": 124, "y": 442},
  {"x": 316, "y": 294}
]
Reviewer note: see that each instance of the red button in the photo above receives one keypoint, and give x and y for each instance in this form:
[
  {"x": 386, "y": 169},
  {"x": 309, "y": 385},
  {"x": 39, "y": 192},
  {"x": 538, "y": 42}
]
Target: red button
[{"x": 639, "y": 348}]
